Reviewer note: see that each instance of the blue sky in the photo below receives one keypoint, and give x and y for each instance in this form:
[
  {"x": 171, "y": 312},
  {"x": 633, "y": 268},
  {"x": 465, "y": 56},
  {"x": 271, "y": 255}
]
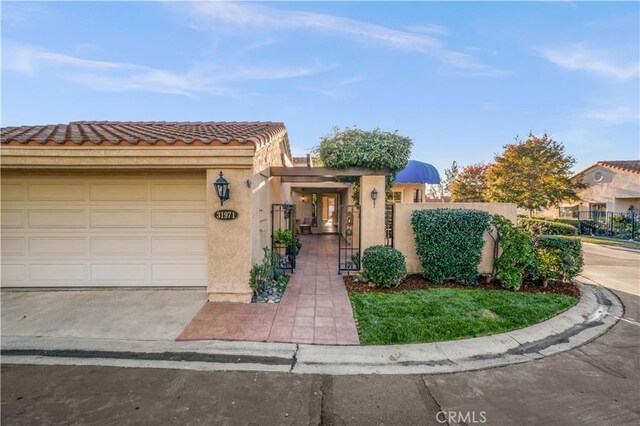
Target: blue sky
[{"x": 460, "y": 79}]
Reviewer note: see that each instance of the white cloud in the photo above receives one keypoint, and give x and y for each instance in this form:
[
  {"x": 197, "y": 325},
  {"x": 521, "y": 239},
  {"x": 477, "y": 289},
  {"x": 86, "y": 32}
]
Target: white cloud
[
  {"x": 613, "y": 115},
  {"x": 428, "y": 29},
  {"x": 231, "y": 15},
  {"x": 580, "y": 57},
  {"x": 119, "y": 76},
  {"x": 334, "y": 90}
]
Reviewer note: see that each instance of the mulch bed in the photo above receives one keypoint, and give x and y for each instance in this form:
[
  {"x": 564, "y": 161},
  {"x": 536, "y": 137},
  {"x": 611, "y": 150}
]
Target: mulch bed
[{"x": 418, "y": 282}]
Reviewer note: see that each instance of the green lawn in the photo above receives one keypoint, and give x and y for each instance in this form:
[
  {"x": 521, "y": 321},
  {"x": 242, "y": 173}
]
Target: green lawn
[
  {"x": 435, "y": 315},
  {"x": 611, "y": 242}
]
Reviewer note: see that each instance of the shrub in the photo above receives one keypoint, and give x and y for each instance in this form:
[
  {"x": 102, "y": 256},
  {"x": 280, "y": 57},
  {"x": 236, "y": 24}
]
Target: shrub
[
  {"x": 283, "y": 236},
  {"x": 587, "y": 227},
  {"x": 584, "y": 227},
  {"x": 569, "y": 221},
  {"x": 449, "y": 243},
  {"x": 537, "y": 227},
  {"x": 518, "y": 254},
  {"x": 559, "y": 258},
  {"x": 267, "y": 274},
  {"x": 383, "y": 265}
]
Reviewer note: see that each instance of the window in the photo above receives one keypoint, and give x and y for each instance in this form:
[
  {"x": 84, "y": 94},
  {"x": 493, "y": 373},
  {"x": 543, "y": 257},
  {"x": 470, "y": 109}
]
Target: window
[
  {"x": 571, "y": 211},
  {"x": 397, "y": 196},
  {"x": 417, "y": 195},
  {"x": 598, "y": 207}
]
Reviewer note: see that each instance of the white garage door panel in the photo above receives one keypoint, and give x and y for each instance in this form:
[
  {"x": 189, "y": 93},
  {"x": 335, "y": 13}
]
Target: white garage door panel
[
  {"x": 12, "y": 218},
  {"x": 119, "y": 218},
  {"x": 56, "y": 192},
  {"x": 111, "y": 229},
  {"x": 118, "y": 246}
]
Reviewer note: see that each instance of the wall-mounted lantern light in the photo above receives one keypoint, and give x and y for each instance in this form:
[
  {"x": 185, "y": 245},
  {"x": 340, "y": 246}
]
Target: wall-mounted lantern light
[
  {"x": 222, "y": 188},
  {"x": 374, "y": 196},
  {"x": 287, "y": 210},
  {"x": 248, "y": 183}
]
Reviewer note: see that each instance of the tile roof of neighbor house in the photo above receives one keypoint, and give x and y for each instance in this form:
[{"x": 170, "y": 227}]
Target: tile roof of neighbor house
[
  {"x": 299, "y": 161},
  {"x": 133, "y": 133},
  {"x": 632, "y": 166}
]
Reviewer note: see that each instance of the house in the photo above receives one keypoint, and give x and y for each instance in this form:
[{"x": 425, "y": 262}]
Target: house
[
  {"x": 158, "y": 204},
  {"x": 611, "y": 187},
  {"x": 410, "y": 183},
  {"x": 185, "y": 204},
  {"x": 131, "y": 203}
]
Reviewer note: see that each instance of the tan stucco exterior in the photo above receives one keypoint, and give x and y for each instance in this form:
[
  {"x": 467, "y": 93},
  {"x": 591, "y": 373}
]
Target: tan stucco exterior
[
  {"x": 616, "y": 189},
  {"x": 406, "y": 190},
  {"x": 232, "y": 247},
  {"x": 403, "y": 232}
]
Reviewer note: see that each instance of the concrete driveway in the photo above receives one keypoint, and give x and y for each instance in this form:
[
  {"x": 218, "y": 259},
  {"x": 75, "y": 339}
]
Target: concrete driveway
[
  {"x": 612, "y": 267},
  {"x": 100, "y": 314}
]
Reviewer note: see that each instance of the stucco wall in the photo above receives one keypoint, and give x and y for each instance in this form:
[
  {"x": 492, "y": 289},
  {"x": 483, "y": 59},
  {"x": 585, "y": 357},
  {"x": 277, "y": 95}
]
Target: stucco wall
[
  {"x": 617, "y": 189},
  {"x": 403, "y": 238},
  {"x": 407, "y": 190}
]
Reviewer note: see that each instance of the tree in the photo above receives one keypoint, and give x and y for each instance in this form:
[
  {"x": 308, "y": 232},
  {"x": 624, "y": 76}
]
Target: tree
[
  {"x": 534, "y": 174},
  {"x": 443, "y": 188},
  {"x": 374, "y": 149},
  {"x": 470, "y": 185}
]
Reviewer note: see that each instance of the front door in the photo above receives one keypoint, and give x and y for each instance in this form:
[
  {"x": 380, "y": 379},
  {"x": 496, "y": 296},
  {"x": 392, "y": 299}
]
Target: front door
[{"x": 330, "y": 213}]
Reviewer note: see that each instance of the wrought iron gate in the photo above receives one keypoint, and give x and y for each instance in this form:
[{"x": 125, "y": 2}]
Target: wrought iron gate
[
  {"x": 389, "y": 210},
  {"x": 349, "y": 239},
  {"x": 283, "y": 236}
]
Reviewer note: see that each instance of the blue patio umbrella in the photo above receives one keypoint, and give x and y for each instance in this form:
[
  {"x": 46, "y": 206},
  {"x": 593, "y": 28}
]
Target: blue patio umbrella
[{"x": 418, "y": 172}]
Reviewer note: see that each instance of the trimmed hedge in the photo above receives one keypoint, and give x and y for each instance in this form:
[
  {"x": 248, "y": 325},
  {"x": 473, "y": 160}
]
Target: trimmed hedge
[
  {"x": 537, "y": 227},
  {"x": 584, "y": 227},
  {"x": 518, "y": 255},
  {"x": 559, "y": 258},
  {"x": 449, "y": 243},
  {"x": 383, "y": 265},
  {"x": 569, "y": 221}
]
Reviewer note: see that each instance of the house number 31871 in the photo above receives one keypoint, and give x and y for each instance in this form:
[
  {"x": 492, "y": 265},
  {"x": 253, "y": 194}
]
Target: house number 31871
[{"x": 226, "y": 214}]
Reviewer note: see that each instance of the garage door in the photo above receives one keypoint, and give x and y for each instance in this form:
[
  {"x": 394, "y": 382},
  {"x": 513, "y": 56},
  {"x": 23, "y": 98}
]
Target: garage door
[{"x": 103, "y": 229}]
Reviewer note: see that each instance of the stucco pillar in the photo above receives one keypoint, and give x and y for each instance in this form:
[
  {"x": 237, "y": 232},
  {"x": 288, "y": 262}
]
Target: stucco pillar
[
  {"x": 229, "y": 241},
  {"x": 371, "y": 218}
]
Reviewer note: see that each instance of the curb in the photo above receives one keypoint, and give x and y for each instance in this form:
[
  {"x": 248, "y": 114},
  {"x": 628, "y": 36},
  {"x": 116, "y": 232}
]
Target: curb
[{"x": 596, "y": 312}]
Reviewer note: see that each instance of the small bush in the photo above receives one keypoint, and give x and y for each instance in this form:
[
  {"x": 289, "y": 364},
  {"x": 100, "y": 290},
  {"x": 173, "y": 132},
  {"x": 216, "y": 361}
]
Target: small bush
[
  {"x": 384, "y": 266},
  {"x": 266, "y": 278},
  {"x": 449, "y": 243},
  {"x": 283, "y": 236},
  {"x": 584, "y": 227},
  {"x": 537, "y": 227},
  {"x": 518, "y": 254},
  {"x": 559, "y": 258},
  {"x": 569, "y": 221},
  {"x": 587, "y": 227}
]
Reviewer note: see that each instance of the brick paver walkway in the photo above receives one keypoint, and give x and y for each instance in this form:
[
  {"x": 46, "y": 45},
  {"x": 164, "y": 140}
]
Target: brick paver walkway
[{"x": 315, "y": 307}]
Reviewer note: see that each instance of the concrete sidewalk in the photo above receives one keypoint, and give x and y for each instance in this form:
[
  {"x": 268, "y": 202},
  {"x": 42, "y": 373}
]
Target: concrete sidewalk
[{"x": 595, "y": 313}]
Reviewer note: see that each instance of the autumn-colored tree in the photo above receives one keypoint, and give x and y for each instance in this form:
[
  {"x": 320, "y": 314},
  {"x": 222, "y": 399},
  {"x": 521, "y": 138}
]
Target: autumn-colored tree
[
  {"x": 443, "y": 188},
  {"x": 470, "y": 184},
  {"x": 534, "y": 174}
]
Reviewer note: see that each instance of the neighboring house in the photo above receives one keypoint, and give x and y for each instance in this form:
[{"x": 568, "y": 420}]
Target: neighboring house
[
  {"x": 611, "y": 187},
  {"x": 409, "y": 185}
]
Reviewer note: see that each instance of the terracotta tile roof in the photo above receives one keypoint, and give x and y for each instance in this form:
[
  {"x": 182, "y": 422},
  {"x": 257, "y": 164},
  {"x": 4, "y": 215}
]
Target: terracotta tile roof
[
  {"x": 144, "y": 133},
  {"x": 299, "y": 161},
  {"x": 632, "y": 166}
]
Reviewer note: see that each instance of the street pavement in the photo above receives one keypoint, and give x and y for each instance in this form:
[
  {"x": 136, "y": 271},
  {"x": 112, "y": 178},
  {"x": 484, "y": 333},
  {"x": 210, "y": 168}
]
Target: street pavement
[{"x": 595, "y": 384}]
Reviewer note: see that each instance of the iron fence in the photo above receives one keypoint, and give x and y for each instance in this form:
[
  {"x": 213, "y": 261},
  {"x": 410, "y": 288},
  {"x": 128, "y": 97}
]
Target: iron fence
[{"x": 609, "y": 224}]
